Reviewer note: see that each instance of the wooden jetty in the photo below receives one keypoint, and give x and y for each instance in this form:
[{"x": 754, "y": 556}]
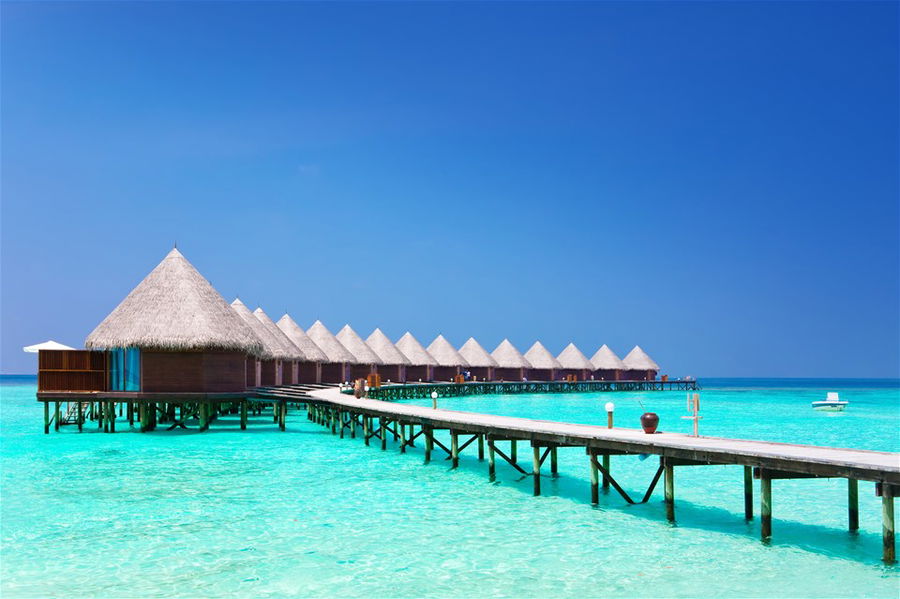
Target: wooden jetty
[
  {"x": 764, "y": 461},
  {"x": 424, "y": 390}
]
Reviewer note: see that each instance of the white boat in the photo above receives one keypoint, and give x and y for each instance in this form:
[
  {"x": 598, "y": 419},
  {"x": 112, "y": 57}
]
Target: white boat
[{"x": 832, "y": 403}]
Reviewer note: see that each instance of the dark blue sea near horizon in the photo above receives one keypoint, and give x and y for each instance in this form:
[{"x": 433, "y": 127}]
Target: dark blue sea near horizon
[{"x": 265, "y": 513}]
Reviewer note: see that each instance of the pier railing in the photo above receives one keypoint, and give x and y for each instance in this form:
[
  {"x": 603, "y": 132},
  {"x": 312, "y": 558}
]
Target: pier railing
[{"x": 424, "y": 390}]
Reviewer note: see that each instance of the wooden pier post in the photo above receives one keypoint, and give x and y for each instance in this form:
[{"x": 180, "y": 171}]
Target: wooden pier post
[
  {"x": 352, "y": 425},
  {"x": 889, "y": 553},
  {"x": 243, "y": 414},
  {"x": 402, "y": 437},
  {"x": 492, "y": 464},
  {"x": 56, "y": 415},
  {"x": 112, "y": 418},
  {"x": 765, "y": 504},
  {"x": 553, "y": 465},
  {"x": 454, "y": 448},
  {"x": 204, "y": 416},
  {"x": 536, "y": 468},
  {"x": 595, "y": 478},
  {"x": 513, "y": 451},
  {"x": 46, "y": 417},
  {"x": 282, "y": 421},
  {"x": 105, "y": 415},
  {"x": 142, "y": 415},
  {"x": 670, "y": 489},
  {"x": 130, "y": 412},
  {"x": 80, "y": 416},
  {"x": 748, "y": 492},
  {"x": 366, "y": 429},
  {"x": 341, "y": 422},
  {"x": 606, "y": 468},
  {"x": 429, "y": 442},
  {"x": 383, "y": 432},
  {"x": 853, "y": 504},
  {"x": 480, "y": 448}
]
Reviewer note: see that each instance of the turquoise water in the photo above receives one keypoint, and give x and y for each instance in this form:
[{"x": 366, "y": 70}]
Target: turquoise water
[{"x": 303, "y": 513}]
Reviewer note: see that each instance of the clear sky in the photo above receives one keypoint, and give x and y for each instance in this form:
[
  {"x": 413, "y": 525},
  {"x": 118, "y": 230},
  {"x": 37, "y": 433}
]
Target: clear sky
[{"x": 717, "y": 182}]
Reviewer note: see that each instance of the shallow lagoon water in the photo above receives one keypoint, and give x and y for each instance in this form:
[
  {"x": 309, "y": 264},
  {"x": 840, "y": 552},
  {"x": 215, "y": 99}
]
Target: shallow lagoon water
[{"x": 303, "y": 513}]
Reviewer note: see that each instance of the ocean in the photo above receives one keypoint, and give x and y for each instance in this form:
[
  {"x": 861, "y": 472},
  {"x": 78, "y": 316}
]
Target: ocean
[{"x": 265, "y": 513}]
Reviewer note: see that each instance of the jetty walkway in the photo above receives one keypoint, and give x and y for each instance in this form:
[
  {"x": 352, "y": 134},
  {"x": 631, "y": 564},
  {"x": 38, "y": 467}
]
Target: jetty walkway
[
  {"x": 765, "y": 461},
  {"x": 423, "y": 390}
]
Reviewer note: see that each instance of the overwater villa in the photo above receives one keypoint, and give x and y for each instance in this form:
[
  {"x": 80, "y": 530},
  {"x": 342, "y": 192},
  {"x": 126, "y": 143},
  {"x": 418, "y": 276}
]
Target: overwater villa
[
  {"x": 574, "y": 363},
  {"x": 393, "y": 362},
  {"x": 340, "y": 360},
  {"x": 543, "y": 365},
  {"x": 450, "y": 362},
  {"x": 639, "y": 366},
  {"x": 366, "y": 360},
  {"x": 421, "y": 363},
  {"x": 607, "y": 365},
  {"x": 481, "y": 364},
  {"x": 309, "y": 370},
  {"x": 511, "y": 364}
]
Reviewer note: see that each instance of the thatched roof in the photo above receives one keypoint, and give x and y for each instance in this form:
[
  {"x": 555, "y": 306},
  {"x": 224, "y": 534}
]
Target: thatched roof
[
  {"x": 289, "y": 351},
  {"x": 334, "y": 351},
  {"x": 507, "y": 356},
  {"x": 414, "y": 352},
  {"x": 310, "y": 350},
  {"x": 174, "y": 308},
  {"x": 384, "y": 349},
  {"x": 476, "y": 355},
  {"x": 571, "y": 358},
  {"x": 445, "y": 354},
  {"x": 356, "y": 346},
  {"x": 606, "y": 359},
  {"x": 637, "y": 359},
  {"x": 540, "y": 357},
  {"x": 271, "y": 349}
]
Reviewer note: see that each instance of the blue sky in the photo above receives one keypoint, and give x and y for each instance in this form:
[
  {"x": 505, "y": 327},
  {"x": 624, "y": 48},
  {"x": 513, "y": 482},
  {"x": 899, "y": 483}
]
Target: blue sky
[{"x": 717, "y": 182}]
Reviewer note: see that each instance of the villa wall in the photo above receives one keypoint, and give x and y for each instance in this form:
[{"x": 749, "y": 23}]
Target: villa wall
[{"x": 194, "y": 372}]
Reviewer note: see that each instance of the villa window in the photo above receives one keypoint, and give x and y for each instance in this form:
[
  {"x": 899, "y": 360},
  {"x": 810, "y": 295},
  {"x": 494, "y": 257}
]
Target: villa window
[{"x": 125, "y": 369}]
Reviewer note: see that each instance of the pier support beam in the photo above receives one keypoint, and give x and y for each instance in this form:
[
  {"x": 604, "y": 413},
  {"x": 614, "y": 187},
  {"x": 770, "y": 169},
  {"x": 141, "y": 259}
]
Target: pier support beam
[
  {"x": 669, "y": 473},
  {"x": 282, "y": 420},
  {"x": 480, "y": 448},
  {"x": 402, "y": 437},
  {"x": 429, "y": 442},
  {"x": 492, "y": 463},
  {"x": 454, "y": 448},
  {"x": 554, "y": 470},
  {"x": 112, "y": 416},
  {"x": 365, "y": 429},
  {"x": 80, "y": 416},
  {"x": 889, "y": 551},
  {"x": 56, "y": 415},
  {"x": 765, "y": 505},
  {"x": 383, "y": 432},
  {"x": 244, "y": 415},
  {"x": 852, "y": 504},
  {"x": 748, "y": 492},
  {"x": 46, "y": 417},
  {"x": 607, "y": 469},
  {"x": 595, "y": 479},
  {"x": 536, "y": 469}
]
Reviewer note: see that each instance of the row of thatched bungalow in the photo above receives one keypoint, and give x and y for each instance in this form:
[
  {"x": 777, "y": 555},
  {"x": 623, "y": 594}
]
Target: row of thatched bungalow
[{"x": 175, "y": 333}]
